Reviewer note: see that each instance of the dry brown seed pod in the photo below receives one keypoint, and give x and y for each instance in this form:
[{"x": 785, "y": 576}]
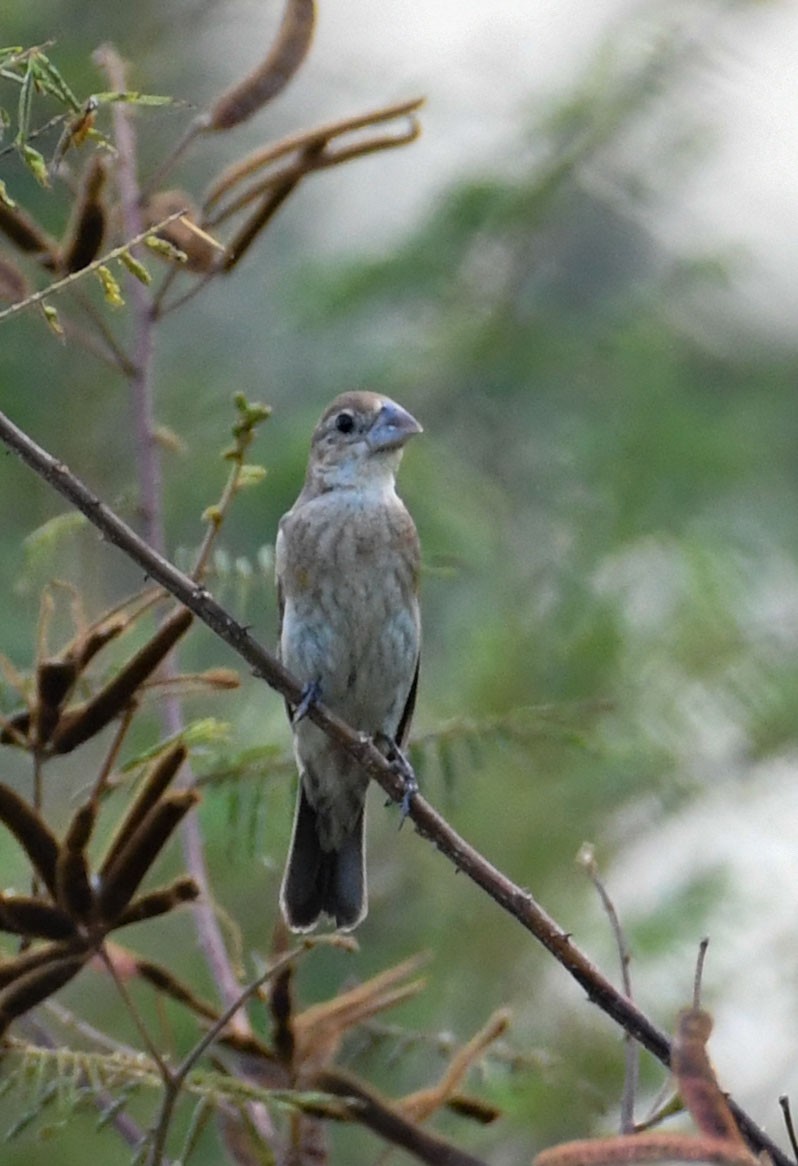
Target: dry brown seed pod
[
  {"x": 154, "y": 785},
  {"x": 272, "y": 75},
  {"x": 84, "y": 722},
  {"x": 201, "y": 251},
  {"x": 183, "y": 890},
  {"x": 36, "y": 985},
  {"x": 86, "y": 231},
  {"x": 73, "y": 888},
  {"x": 135, "y": 858},
  {"x": 24, "y": 915},
  {"x": 54, "y": 680},
  {"x": 162, "y": 979},
  {"x": 26, "y": 234},
  {"x": 696, "y": 1079},
  {"x": 33, "y": 835},
  {"x": 20, "y": 965},
  {"x": 13, "y": 284}
]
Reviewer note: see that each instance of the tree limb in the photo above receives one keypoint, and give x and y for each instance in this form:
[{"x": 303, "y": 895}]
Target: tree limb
[{"x": 429, "y": 823}]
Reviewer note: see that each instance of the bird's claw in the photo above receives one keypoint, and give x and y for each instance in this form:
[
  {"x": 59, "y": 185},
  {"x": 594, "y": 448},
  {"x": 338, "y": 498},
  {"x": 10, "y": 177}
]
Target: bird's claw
[
  {"x": 311, "y": 694},
  {"x": 404, "y": 770}
]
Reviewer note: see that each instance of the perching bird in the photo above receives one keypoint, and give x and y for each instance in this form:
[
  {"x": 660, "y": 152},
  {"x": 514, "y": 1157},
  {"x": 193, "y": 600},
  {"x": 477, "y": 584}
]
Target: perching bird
[{"x": 347, "y": 565}]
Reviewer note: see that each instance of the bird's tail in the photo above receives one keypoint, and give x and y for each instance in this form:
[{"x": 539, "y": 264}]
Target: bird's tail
[{"x": 317, "y": 880}]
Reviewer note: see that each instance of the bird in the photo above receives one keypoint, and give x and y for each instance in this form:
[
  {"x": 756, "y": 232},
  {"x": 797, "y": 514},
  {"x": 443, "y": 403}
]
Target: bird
[{"x": 347, "y": 562}]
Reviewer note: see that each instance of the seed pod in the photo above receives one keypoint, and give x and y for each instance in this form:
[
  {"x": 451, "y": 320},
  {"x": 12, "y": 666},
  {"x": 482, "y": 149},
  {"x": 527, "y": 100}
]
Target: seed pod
[
  {"x": 13, "y": 285},
  {"x": 72, "y": 885},
  {"x": 26, "y": 234},
  {"x": 183, "y": 890},
  {"x": 20, "y": 965},
  {"x": 33, "y": 835},
  {"x": 696, "y": 1079},
  {"x": 201, "y": 251},
  {"x": 30, "y": 989},
  {"x": 272, "y": 75},
  {"x": 86, "y": 231},
  {"x": 140, "y": 851},
  {"x": 154, "y": 785},
  {"x": 24, "y": 915},
  {"x": 165, "y": 982},
  {"x": 16, "y": 730},
  {"x": 80, "y": 724}
]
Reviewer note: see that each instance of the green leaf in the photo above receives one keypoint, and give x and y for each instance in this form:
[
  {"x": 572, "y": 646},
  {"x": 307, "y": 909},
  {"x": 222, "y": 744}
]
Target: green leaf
[
  {"x": 136, "y": 269},
  {"x": 131, "y": 97},
  {"x": 53, "y": 320},
  {"x": 36, "y": 164},
  {"x": 111, "y": 289},
  {"x": 51, "y": 81}
]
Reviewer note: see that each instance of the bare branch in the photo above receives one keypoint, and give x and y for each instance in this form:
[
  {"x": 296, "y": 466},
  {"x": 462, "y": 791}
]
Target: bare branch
[{"x": 429, "y": 823}]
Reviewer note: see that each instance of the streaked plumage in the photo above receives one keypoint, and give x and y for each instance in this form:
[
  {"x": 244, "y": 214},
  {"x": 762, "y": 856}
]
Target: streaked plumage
[{"x": 347, "y": 565}]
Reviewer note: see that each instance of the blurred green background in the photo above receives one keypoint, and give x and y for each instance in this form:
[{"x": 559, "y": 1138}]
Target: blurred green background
[{"x": 605, "y": 494}]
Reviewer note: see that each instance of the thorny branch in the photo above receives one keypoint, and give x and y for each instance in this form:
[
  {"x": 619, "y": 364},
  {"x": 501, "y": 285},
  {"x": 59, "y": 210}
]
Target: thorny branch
[{"x": 429, "y": 823}]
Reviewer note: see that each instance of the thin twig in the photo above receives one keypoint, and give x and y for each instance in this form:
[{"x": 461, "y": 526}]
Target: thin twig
[
  {"x": 177, "y": 1078},
  {"x": 429, "y": 823},
  {"x": 784, "y": 1102},
  {"x": 148, "y": 455},
  {"x": 59, "y": 285},
  {"x": 632, "y": 1050},
  {"x": 699, "y": 971}
]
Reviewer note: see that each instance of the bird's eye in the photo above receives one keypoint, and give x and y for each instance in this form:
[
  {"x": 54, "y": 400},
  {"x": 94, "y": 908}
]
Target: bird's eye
[{"x": 344, "y": 423}]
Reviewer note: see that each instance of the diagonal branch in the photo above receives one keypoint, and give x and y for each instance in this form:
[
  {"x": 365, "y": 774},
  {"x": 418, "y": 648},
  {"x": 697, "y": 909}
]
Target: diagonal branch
[{"x": 429, "y": 823}]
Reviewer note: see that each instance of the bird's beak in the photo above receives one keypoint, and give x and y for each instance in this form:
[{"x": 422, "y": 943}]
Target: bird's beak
[{"x": 392, "y": 427}]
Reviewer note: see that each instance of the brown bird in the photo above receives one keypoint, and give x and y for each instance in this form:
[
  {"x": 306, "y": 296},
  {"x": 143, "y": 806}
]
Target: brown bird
[{"x": 347, "y": 566}]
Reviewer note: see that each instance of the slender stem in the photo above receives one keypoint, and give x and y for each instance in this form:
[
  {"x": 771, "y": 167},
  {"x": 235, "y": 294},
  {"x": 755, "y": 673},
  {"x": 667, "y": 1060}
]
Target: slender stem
[
  {"x": 150, "y": 484},
  {"x": 429, "y": 823},
  {"x": 148, "y": 459}
]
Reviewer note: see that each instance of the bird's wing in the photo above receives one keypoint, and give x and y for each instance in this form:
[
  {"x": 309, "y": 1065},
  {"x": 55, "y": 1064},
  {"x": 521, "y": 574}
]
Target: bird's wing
[{"x": 410, "y": 704}]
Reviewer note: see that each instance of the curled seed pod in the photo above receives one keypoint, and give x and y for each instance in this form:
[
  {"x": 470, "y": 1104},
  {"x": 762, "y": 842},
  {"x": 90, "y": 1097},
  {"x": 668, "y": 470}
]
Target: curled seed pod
[
  {"x": 13, "y": 284},
  {"x": 20, "y": 965},
  {"x": 272, "y": 75},
  {"x": 183, "y": 890},
  {"x": 31, "y": 988},
  {"x": 80, "y": 724},
  {"x": 154, "y": 785},
  {"x": 185, "y": 234},
  {"x": 87, "y": 229},
  {"x": 23, "y": 915},
  {"x": 72, "y": 885},
  {"x": 135, "y": 858},
  {"x": 33, "y": 835}
]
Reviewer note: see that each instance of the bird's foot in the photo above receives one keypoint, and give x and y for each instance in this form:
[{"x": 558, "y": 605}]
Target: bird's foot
[
  {"x": 404, "y": 770},
  {"x": 311, "y": 694}
]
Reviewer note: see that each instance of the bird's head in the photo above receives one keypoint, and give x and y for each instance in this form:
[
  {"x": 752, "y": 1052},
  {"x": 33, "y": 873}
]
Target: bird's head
[{"x": 359, "y": 441}]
